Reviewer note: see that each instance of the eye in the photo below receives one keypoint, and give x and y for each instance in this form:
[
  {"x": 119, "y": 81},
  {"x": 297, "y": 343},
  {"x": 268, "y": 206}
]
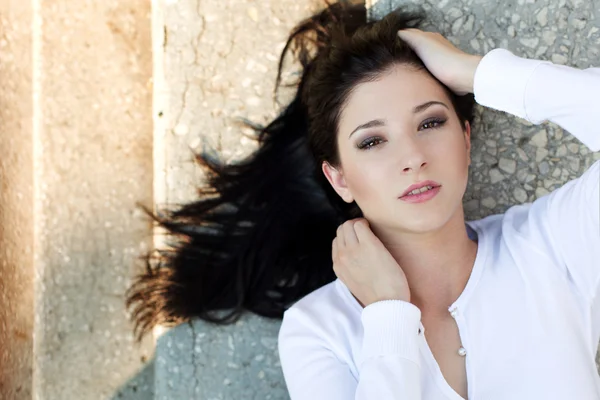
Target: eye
[
  {"x": 433, "y": 123},
  {"x": 369, "y": 143}
]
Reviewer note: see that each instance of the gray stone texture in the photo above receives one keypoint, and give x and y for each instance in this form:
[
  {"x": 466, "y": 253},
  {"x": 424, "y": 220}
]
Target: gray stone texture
[
  {"x": 219, "y": 64},
  {"x": 200, "y": 361}
]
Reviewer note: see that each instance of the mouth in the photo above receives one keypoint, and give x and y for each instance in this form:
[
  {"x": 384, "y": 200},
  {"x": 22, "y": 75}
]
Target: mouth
[
  {"x": 421, "y": 197},
  {"x": 421, "y": 192},
  {"x": 416, "y": 188}
]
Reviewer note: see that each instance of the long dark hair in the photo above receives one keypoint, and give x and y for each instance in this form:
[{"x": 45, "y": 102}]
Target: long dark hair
[{"x": 259, "y": 236}]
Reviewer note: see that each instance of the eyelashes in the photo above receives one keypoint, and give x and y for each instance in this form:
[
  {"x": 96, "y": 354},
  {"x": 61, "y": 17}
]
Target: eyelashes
[
  {"x": 369, "y": 143},
  {"x": 373, "y": 141},
  {"x": 438, "y": 121}
]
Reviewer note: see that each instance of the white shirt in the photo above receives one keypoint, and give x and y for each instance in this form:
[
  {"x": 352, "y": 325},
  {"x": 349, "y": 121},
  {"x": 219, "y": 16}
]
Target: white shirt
[{"x": 529, "y": 316}]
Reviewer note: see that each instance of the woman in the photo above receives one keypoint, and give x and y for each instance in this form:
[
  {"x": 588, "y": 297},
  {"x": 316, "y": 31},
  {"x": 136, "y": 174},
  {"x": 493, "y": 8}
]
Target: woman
[{"x": 426, "y": 304}]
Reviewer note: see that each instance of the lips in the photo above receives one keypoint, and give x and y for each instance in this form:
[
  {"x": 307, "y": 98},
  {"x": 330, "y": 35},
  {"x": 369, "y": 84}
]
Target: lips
[{"x": 419, "y": 185}]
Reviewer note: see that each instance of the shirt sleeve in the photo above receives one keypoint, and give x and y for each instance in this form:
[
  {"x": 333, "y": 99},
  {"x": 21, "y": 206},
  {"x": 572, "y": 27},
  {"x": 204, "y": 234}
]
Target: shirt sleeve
[
  {"x": 315, "y": 367},
  {"x": 565, "y": 222},
  {"x": 540, "y": 91}
]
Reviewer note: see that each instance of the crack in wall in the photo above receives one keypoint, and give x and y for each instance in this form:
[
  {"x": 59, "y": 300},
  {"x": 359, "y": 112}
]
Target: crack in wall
[{"x": 194, "y": 364}]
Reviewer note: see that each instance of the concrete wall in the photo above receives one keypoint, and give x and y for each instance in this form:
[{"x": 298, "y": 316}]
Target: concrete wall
[
  {"x": 16, "y": 201},
  {"x": 76, "y": 141},
  {"x": 93, "y": 163}
]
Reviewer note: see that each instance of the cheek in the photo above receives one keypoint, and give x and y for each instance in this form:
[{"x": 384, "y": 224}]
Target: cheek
[
  {"x": 369, "y": 179},
  {"x": 452, "y": 150},
  {"x": 454, "y": 163}
]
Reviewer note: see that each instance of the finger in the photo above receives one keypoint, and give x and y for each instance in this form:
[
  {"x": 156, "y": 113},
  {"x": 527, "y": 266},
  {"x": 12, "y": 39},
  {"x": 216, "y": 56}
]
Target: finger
[
  {"x": 334, "y": 250},
  {"x": 349, "y": 235},
  {"x": 404, "y": 35},
  {"x": 363, "y": 231},
  {"x": 340, "y": 237},
  {"x": 409, "y": 34},
  {"x": 413, "y": 40},
  {"x": 409, "y": 30},
  {"x": 421, "y": 41}
]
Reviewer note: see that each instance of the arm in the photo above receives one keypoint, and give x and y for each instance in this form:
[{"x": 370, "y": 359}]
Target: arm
[
  {"x": 565, "y": 223},
  {"x": 539, "y": 90},
  {"x": 390, "y": 368}
]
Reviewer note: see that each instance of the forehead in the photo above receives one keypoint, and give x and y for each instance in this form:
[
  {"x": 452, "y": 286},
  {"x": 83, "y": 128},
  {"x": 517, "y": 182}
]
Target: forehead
[{"x": 395, "y": 93}]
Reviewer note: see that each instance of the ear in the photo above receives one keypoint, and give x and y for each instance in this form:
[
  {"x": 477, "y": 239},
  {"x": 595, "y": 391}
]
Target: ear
[
  {"x": 337, "y": 181},
  {"x": 468, "y": 139}
]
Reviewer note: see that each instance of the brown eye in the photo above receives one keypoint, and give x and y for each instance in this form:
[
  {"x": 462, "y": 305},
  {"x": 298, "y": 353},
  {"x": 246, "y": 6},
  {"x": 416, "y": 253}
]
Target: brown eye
[
  {"x": 433, "y": 123},
  {"x": 369, "y": 143}
]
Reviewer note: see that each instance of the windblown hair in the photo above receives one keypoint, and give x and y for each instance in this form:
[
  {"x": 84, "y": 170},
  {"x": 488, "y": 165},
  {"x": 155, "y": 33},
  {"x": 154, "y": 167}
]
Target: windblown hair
[{"x": 259, "y": 236}]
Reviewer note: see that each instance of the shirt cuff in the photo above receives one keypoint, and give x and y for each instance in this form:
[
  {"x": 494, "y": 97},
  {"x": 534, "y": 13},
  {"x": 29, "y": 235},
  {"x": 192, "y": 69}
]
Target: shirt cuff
[
  {"x": 391, "y": 327},
  {"x": 501, "y": 80}
]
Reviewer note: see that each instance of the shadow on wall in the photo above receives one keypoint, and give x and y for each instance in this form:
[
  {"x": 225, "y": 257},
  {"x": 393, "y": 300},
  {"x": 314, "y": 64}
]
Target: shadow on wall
[
  {"x": 201, "y": 361},
  {"x": 140, "y": 387}
]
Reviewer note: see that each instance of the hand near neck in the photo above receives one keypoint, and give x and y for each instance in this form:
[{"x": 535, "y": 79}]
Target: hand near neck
[{"x": 437, "y": 264}]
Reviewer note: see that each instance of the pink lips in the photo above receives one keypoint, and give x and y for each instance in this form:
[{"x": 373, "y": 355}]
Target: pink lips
[
  {"x": 421, "y": 197},
  {"x": 419, "y": 185}
]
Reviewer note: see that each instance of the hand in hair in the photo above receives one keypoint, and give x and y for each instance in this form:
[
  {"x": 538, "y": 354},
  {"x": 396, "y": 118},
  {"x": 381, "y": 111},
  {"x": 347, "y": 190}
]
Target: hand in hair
[
  {"x": 366, "y": 267},
  {"x": 450, "y": 65}
]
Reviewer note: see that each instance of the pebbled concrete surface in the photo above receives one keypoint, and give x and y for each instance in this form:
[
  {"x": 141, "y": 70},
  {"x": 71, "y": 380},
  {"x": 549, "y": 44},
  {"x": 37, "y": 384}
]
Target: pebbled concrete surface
[
  {"x": 219, "y": 63},
  {"x": 198, "y": 361}
]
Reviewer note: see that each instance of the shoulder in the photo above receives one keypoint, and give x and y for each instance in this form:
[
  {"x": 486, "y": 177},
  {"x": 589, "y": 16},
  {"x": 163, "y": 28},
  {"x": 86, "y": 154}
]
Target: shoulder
[
  {"x": 511, "y": 233},
  {"x": 326, "y": 315},
  {"x": 488, "y": 228},
  {"x": 520, "y": 222},
  {"x": 323, "y": 304},
  {"x": 320, "y": 337},
  {"x": 521, "y": 232}
]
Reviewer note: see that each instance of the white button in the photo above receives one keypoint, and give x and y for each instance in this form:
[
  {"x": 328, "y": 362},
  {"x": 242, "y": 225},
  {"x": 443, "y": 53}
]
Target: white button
[
  {"x": 462, "y": 352},
  {"x": 454, "y": 313}
]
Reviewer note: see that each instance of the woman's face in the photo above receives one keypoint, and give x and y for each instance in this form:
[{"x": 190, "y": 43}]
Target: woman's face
[{"x": 396, "y": 131}]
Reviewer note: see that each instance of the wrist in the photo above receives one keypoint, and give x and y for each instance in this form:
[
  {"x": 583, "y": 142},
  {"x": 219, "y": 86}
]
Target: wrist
[
  {"x": 403, "y": 297},
  {"x": 469, "y": 79}
]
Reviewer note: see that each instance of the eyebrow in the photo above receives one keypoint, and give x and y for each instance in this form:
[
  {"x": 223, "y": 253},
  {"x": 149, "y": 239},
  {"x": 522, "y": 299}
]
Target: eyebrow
[{"x": 381, "y": 122}]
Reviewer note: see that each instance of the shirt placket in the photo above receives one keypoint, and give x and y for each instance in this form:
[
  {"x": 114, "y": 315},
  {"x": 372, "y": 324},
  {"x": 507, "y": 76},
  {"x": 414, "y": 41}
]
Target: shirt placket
[{"x": 465, "y": 350}]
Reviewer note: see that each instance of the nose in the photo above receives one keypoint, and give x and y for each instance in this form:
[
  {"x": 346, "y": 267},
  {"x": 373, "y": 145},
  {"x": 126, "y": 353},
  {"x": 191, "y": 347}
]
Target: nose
[
  {"x": 414, "y": 167},
  {"x": 414, "y": 157}
]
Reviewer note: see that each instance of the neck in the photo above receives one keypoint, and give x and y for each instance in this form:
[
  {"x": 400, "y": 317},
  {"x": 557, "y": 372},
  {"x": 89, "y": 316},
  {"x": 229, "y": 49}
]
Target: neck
[{"x": 437, "y": 264}]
